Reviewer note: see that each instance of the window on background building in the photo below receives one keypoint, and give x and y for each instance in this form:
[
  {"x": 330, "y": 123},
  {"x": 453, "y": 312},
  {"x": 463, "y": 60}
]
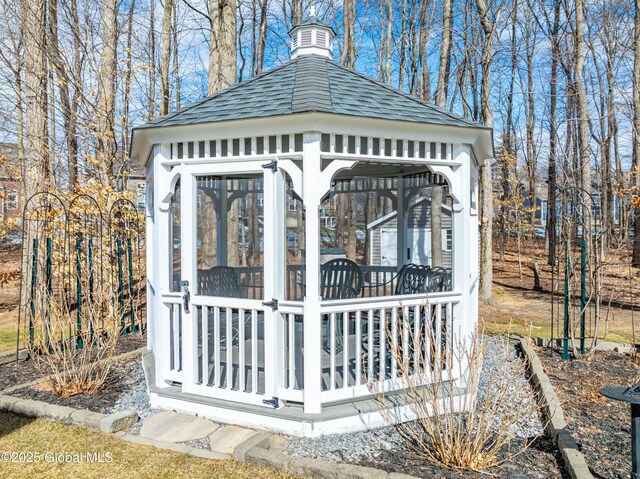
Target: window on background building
[{"x": 12, "y": 200}]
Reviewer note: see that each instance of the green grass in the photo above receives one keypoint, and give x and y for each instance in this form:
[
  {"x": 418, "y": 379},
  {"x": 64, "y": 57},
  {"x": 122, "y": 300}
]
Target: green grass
[
  {"x": 8, "y": 330},
  {"x": 19, "y": 434}
]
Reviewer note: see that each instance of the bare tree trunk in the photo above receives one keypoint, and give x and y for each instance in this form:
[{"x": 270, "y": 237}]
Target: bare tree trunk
[
  {"x": 486, "y": 197},
  {"x": 553, "y": 135},
  {"x": 583, "y": 120},
  {"x": 403, "y": 46},
  {"x": 262, "y": 36},
  {"x": 165, "y": 57},
  {"x": 127, "y": 85},
  {"x": 296, "y": 11},
  {"x": 425, "y": 90},
  {"x": 387, "y": 43},
  {"x": 176, "y": 64},
  {"x": 107, "y": 96},
  {"x": 152, "y": 61},
  {"x": 68, "y": 116},
  {"x": 348, "y": 57},
  {"x": 445, "y": 53},
  {"x": 222, "y": 45},
  {"x": 635, "y": 174},
  {"x": 35, "y": 71},
  {"x": 532, "y": 161}
]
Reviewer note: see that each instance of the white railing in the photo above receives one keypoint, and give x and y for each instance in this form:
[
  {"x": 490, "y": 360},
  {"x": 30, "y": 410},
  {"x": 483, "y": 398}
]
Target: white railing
[
  {"x": 171, "y": 337},
  {"x": 292, "y": 316},
  {"x": 230, "y": 348},
  {"x": 378, "y": 344}
]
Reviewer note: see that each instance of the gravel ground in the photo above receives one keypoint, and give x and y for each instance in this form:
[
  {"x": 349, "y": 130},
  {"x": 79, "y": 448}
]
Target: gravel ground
[
  {"x": 136, "y": 397},
  {"x": 383, "y": 447}
]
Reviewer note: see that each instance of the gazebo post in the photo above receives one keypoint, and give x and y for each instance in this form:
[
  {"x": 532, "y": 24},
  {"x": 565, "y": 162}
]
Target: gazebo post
[{"x": 312, "y": 321}]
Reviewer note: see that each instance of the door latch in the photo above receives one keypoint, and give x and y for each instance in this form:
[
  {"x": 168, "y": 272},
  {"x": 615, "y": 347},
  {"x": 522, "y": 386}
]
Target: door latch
[
  {"x": 186, "y": 295},
  {"x": 273, "y": 304}
]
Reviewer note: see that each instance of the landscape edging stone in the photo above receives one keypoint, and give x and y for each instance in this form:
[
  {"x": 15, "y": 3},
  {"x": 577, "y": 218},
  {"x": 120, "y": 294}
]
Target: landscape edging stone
[{"x": 573, "y": 459}]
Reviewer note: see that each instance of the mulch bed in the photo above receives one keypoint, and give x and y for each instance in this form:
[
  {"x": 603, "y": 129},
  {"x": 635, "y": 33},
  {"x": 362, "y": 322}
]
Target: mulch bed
[
  {"x": 119, "y": 380},
  {"x": 601, "y": 426},
  {"x": 12, "y": 374},
  {"x": 541, "y": 460}
]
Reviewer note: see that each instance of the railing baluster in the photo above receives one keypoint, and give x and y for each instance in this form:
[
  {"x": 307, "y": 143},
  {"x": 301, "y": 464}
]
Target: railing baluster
[
  {"x": 358, "y": 355},
  {"x": 216, "y": 347},
  {"x": 254, "y": 351},
  {"x": 394, "y": 343},
  {"x": 229, "y": 345},
  {"x": 292, "y": 348},
  {"x": 332, "y": 349},
  {"x": 345, "y": 350},
  {"x": 382, "y": 361},
  {"x": 205, "y": 344},
  {"x": 241, "y": 365},
  {"x": 370, "y": 346}
]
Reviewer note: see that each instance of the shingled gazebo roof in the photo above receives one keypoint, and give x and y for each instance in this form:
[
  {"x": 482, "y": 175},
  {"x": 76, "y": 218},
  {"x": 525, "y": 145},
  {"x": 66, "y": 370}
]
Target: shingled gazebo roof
[{"x": 311, "y": 83}]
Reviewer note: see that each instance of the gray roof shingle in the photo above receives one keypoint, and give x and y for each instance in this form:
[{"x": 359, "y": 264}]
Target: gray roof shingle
[{"x": 310, "y": 83}]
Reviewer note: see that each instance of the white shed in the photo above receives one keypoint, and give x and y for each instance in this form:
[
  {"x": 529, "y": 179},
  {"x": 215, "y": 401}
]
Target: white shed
[{"x": 246, "y": 324}]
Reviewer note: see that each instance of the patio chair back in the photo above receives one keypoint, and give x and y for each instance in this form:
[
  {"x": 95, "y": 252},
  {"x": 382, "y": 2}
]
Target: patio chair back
[
  {"x": 412, "y": 279},
  {"x": 219, "y": 281},
  {"x": 439, "y": 280},
  {"x": 340, "y": 278}
]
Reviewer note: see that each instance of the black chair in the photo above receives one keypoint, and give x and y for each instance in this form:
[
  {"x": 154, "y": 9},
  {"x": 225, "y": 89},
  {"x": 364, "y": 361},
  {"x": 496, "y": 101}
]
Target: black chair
[
  {"x": 219, "y": 281},
  {"x": 340, "y": 278},
  {"x": 412, "y": 279},
  {"x": 439, "y": 280}
]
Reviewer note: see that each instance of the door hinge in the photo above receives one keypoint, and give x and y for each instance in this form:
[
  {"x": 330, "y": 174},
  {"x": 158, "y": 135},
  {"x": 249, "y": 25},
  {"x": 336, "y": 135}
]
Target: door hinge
[
  {"x": 273, "y": 304},
  {"x": 274, "y": 403},
  {"x": 272, "y": 165}
]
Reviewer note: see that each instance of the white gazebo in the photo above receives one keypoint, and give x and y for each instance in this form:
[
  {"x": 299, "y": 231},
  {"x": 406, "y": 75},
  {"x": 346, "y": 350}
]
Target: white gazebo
[{"x": 301, "y": 225}]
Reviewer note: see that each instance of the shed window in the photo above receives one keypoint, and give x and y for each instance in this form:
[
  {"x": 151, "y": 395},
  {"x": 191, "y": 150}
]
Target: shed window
[
  {"x": 399, "y": 148},
  {"x": 411, "y": 149},
  {"x": 180, "y": 151},
  {"x": 387, "y": 147},
  {"x": 260, "y": 145},
  {"x": 432, "y": 152},
  {"x": 376, "y": 146},
  {"x": 247, "y": 146},
  {"x": 285, "y": 143},
  {"x": 212, "y": 148},
  {"x": 236, "y": 146},
  {"x": 190, "y": 148},
  {"x": 272, "y": 144},
  {"x": 298, "y": 142},
  {"x": 443, "y": 151},
  {"x": 224, "y": 147},
  {"x": 201, "y": 149}
]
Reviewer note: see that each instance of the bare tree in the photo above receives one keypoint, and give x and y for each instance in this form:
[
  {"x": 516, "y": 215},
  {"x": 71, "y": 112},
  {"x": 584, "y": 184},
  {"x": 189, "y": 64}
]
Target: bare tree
[
  {"x": 165, "y": 56},
  {"x": 486, "y": 187},
  {"x": 222, "y": 45},
  {"x": 445, "y": 54},
  {"x": 37, "y": 168},
  {"x": 348, "y": 57},
  {"x": 635, "y": 174}
]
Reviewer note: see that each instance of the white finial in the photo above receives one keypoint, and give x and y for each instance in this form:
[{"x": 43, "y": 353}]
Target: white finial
[{"x": 312, "y": 11}]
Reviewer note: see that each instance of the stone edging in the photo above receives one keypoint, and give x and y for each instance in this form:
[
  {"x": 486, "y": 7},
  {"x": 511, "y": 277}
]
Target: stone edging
[
  {"x": 68, "y": 415},
  {"x": 557, "y": 427},
  {"x": 258, "y": 450},
  {"x": 10, "y": 356}
]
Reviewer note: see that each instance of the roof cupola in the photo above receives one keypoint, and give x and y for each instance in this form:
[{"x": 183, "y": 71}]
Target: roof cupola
[{"x": 312, "y": 37}]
